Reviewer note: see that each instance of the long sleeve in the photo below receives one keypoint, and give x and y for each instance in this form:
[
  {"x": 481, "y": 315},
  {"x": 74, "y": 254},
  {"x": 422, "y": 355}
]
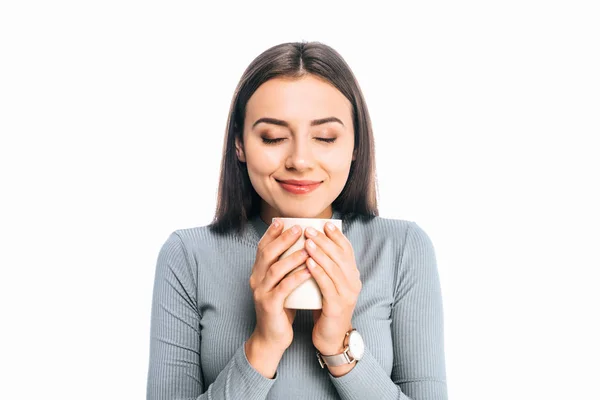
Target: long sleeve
[
  {"x": 418, "y": 371},
  {"x": 175, "y": 361}
]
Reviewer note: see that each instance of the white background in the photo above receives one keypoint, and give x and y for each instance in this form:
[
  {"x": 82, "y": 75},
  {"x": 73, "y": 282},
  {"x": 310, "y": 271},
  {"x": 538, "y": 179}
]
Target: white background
[{"x": 486, "y": 116}]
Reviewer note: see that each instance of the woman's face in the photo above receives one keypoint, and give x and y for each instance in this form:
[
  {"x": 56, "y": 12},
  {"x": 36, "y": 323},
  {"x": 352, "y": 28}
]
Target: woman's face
[{"x": 298, "y": 145}]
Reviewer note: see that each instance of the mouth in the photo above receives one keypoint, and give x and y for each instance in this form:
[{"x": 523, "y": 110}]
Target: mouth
[{"x": 298, "y": 186}]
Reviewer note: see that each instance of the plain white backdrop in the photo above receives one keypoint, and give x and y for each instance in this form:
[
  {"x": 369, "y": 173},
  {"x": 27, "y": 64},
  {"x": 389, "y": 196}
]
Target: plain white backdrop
[{"x": 486, "y": 118}]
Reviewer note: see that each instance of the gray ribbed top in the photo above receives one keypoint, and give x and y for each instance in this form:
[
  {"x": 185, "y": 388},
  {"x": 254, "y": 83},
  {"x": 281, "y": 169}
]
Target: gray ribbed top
[{"x": 203, "y": 312}]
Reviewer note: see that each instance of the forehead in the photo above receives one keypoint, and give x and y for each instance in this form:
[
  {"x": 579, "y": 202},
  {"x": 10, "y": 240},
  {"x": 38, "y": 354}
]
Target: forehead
[{"x": 300, "y": 99}]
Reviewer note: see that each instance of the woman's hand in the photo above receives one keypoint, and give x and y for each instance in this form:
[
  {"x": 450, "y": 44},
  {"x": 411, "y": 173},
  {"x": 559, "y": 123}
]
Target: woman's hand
[
  {"x": 333, "y": 266},
  {"x": 270, "y": 286}
]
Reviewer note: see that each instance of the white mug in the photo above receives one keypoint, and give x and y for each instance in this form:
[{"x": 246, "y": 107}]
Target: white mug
[{"x": 307, "y": 296}]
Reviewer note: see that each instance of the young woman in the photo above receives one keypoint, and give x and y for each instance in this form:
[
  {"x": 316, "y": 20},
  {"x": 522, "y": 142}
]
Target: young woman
[{"x": 298, "y": 143}]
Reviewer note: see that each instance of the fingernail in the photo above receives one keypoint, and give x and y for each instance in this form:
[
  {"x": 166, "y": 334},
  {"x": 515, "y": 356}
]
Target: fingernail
[
  {"x": 303, "y": 253},
  {"x": 296, "y": 229},
  {"x": 330, "y": 226},
  {"x": 311, "y": 244},
  {"x": 311, "y": 231},
  {"x": 310, "y": 263},
  {"x": 275, "y": 223}
]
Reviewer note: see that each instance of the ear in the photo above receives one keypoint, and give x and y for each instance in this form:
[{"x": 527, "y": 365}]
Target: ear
[
  {"x": 354, "y": 155},
  {"x": 239, "y": 150}
]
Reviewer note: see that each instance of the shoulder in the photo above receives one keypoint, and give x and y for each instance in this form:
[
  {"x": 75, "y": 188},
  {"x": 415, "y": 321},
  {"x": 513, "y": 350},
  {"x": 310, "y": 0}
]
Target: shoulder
[
  {"x": 195, "y": 233},
  {"x": 386, "y": 227},
  {"x": 411, "y": 234},
  {"x": 204, "y": 238},
  {"x": 184, "y": 247},
  {"x": 405, "y": 236}
]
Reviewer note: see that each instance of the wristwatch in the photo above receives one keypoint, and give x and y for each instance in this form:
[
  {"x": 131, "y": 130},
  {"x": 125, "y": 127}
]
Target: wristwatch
[{"x": 354, "y": 348}]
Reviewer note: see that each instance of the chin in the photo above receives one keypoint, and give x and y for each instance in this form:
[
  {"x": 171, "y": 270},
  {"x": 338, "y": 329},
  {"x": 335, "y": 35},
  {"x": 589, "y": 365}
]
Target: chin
[
  {"x": 293, "y": 214},
  {"x": 300, "y": 212}
]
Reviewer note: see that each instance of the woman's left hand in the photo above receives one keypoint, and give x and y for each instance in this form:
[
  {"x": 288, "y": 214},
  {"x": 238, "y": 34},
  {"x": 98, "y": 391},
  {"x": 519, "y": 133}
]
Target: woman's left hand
[{"x": 331, "y": 263}]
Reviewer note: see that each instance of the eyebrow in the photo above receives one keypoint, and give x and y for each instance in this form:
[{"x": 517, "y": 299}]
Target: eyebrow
[{"x": 280, "y": 122}]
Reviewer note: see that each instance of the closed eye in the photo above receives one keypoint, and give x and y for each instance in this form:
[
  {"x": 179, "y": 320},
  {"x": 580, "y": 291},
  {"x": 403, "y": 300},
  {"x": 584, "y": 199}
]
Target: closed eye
[
  {"x": 278, "y": 140},
  {"x": 272, "y": 141}
]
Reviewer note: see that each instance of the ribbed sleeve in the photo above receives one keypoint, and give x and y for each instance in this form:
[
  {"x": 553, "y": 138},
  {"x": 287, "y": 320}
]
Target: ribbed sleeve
[
  {"x": 174, "y": 371},
  {"x": 418, "y": 371}
]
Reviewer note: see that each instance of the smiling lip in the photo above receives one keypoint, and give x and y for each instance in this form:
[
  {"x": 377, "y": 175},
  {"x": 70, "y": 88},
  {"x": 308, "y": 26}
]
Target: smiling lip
[{"x": 299, "y": 187}]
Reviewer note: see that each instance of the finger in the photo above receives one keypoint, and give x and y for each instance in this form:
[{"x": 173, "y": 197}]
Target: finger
[
  {"x": 289, "y": 284},
  {"x": 272, "y": 233},
  {"x": 269, "y": 253},
  {"x": 277, "y": 247},
  {"x": 331, "y": 268},
  {"x": 260, "y": 267},
  {"x": 337, "y": 254},
  {"x": 338, "y": 237},
  {"x": 325, "y": 283},
  {"x": 326, "y": 244},
  {"x": 281, "y": 268}
]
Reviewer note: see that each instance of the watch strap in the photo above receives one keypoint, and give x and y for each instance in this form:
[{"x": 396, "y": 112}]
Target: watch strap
[{"x": 335, "y": 360}]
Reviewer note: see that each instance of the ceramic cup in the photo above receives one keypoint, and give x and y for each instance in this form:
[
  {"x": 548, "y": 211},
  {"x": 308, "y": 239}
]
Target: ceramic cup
[{"x": 307, "y": 296}]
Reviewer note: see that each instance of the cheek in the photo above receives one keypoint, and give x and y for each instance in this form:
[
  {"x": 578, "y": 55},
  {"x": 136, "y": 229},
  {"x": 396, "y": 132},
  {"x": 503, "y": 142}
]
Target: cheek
[
  {"x": 338, "y": 163},
  {"x": 262, "y": 163}
]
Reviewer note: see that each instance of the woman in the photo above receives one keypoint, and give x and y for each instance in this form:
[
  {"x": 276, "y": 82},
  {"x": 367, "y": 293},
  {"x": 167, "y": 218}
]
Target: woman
[{"x": 298, "y": 144}]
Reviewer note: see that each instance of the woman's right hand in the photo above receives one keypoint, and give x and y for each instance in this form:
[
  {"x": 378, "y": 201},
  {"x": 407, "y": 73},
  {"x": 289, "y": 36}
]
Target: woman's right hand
[{"x": 270, "y": 286}]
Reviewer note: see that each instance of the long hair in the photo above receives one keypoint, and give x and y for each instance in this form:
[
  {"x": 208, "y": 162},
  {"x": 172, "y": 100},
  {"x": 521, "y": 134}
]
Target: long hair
[{"x": 237, "y": 200}]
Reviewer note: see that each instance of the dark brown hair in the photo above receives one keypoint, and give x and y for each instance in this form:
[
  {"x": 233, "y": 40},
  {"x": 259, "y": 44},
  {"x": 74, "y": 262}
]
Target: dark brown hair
[{"x": 237, "y": 200}]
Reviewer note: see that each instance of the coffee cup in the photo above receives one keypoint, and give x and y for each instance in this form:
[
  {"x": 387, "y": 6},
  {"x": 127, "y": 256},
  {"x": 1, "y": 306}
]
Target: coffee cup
[{"x": 308, "y": 295}]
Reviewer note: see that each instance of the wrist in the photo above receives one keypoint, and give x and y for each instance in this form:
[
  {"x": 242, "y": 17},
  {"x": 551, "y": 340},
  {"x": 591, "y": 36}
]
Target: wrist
[
  {"x": 342, "y": 362},
  {"x": 262, "y": 357},
  {"x": 336, "y": 346}
]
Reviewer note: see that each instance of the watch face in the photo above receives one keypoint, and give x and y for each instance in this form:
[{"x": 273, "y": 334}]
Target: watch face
[{"x": 356, "y": 345}]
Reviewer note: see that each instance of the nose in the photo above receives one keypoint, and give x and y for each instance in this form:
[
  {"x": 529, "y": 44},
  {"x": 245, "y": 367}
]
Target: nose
[{"x": 300, "y": 156}]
